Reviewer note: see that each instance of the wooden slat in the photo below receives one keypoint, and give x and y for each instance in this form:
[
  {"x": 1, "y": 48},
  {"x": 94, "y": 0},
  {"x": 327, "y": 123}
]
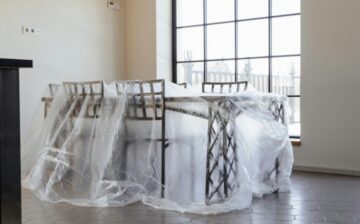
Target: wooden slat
[
  {"x": 142, "y": 99},
  {"x": 153, "y": 99}
]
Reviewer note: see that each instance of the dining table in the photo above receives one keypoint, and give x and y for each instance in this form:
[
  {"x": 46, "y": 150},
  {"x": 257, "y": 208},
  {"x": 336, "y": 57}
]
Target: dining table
[{"x": 167, "y": 146}]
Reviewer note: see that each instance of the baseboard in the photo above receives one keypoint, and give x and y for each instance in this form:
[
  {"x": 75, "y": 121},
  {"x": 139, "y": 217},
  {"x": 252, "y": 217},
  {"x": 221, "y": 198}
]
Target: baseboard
[{"x": 327, "y": 170}]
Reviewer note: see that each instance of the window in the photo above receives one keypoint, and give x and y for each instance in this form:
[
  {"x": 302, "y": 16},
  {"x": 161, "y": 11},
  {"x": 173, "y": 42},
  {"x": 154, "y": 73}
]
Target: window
[{"x": 235, "y": 40}]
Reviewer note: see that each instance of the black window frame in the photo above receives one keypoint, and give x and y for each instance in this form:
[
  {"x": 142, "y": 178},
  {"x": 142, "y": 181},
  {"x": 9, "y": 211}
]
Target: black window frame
[{"x": 205, "y": 60}]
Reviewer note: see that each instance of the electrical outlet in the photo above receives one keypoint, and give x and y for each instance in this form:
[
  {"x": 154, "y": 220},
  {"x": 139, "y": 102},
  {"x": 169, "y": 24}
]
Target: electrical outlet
[
  {"x": 29, "y": 30},
  {"x": 113, "y": 5}
]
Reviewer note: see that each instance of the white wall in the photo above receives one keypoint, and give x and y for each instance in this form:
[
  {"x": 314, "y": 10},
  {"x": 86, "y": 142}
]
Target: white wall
[
  {"x": 330, "y": 85},
  {"x": 141, "y": 39},
  {"x": 81, "y": 40},
  {"x": 148, "y": 39}
]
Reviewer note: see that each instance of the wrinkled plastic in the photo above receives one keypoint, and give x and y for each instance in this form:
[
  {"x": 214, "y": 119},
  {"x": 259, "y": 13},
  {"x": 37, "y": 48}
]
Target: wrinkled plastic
[{"x": 106, "y": 159}]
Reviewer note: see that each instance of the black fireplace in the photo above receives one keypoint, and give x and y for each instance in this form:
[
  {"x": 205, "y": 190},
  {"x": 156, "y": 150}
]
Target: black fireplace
[{"x": 10, "y": 139}]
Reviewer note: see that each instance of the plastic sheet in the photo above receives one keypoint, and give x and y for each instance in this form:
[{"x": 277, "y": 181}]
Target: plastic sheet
[{"x": 91, "y": 149}]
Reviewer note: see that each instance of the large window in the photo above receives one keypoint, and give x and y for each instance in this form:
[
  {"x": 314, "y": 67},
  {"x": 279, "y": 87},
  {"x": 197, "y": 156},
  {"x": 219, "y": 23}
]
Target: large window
[{"x": 234, "y": 40}]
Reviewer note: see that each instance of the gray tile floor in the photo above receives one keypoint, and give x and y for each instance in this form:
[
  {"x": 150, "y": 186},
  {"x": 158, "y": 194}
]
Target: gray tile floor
[{"x": 315, "y": 198}]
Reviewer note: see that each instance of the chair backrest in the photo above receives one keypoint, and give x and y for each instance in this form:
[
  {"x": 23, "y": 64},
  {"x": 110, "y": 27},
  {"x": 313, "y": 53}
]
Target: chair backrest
[
  {"x": 80, "y": 90},
  {"x": 53, "y": 88},
  {"x": 224, "y": 87},
  {"x": 92, "y": 88},
  {"x": 146, "y": 99}
]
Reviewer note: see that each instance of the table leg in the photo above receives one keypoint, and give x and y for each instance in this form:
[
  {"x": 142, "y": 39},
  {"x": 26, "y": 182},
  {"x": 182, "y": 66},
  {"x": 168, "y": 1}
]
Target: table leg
[{"x": 221, "y": 161}]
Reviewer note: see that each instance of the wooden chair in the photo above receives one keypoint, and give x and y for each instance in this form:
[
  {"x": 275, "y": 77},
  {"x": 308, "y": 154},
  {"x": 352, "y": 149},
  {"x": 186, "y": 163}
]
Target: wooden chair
[
  {"x": 74, "y": 89},
  {"x": 76, "y": 93},
  {"x": 224, "y": 87},
  {"x": 147, "y": 103}
]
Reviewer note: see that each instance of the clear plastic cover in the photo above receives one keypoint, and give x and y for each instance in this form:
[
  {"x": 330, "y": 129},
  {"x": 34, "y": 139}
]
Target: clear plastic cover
[{"x": 158, "y": 143}]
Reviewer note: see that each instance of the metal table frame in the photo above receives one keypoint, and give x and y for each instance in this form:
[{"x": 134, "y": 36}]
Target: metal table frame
[{"x": 221, "y": 162}]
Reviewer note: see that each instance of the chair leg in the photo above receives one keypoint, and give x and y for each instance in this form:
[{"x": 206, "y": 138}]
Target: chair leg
[
  {"x": 124, "y": 158},
  {"x": 162, "y": 172},
  {"x": 163, "y": 148},
  {"x": 277, "y": 171}
]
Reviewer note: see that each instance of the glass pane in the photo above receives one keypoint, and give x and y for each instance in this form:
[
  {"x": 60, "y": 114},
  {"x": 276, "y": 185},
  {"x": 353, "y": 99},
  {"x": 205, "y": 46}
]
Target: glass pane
[
  {"x": 191, "y": 73},
  {"x": 189, "y": 12},
  {"x": 190, "y": 44},
  {"x": 285, "y": 6},
  {"x": 221, "y": 41},
  {"x": 286, "y": 75},
  {"x": 220, "y": 10},
  {"x": 220, "y": 71},
  {"x": 294, "y": 120},
  {"x": 286, "y": 35},
  {"x": 256, "y": 72},
  {"x": 253, "y": 38},
  {"x": 252, "y": 8}
]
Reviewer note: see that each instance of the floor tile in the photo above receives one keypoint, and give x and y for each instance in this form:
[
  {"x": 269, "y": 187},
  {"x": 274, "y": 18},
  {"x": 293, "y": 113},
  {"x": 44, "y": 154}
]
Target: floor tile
[{"x": 314, "y": 198}]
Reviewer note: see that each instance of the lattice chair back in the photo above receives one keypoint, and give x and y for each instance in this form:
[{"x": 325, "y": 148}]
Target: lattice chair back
[
  {"x": 53, "y": 88},
  {"x": 91, "y": 88},
  {"x": 224, "y": 87},
  {"x": 80, "y": 90},
  {"x": 146, "y": 99}
]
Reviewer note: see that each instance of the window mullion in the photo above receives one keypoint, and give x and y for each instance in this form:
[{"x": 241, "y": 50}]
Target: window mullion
[
  {"x": 236, "y": 39},
  {"x": 205, "y": 38},
  {"x": 270, "y": 47},
  {"x": 174, "y": 40}
]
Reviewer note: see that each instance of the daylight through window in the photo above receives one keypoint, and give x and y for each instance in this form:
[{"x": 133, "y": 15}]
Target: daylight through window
[{"x": 235, "y": 40}]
